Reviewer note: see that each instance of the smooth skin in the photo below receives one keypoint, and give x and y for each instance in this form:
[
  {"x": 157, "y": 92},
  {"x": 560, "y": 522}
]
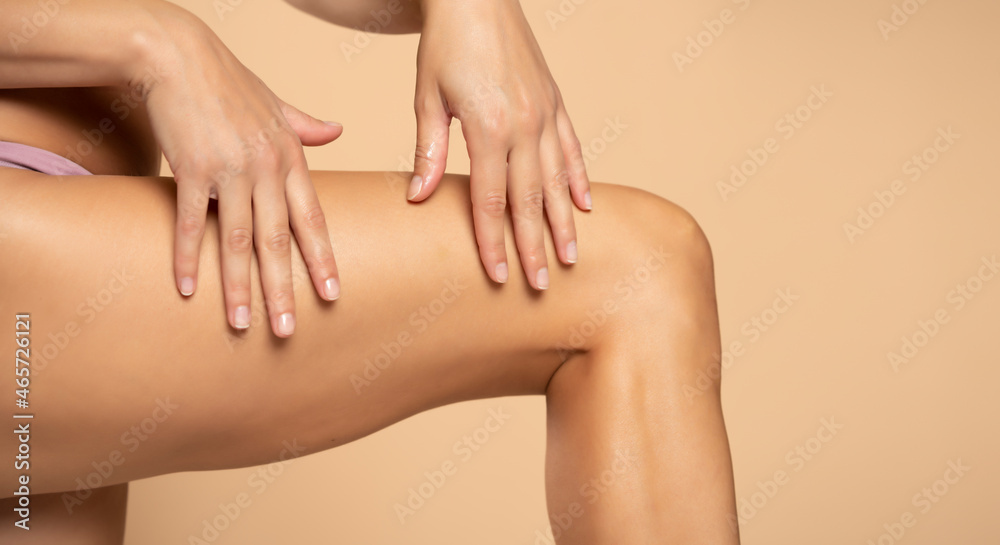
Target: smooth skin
[
  {"x": 611, "y": 344},
  {"x": 479, "y": 62},
  {"x": 226, "y": 136},
  {"x": 223, "y": 132},
  {"x": 238, "y": 397}
]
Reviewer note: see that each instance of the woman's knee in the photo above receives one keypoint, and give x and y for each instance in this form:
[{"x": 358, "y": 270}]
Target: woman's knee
[
  {"x": 654, "y": 267},
  {"x": 648, "y": 294},
  {"x": 660, "y": 248}
]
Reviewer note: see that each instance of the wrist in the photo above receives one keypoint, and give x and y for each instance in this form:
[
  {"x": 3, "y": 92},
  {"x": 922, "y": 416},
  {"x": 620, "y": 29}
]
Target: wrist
[{"x": 159, "y": 41}]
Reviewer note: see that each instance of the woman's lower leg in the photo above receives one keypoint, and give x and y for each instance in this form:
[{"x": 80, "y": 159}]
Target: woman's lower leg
[{"x": 632, "y": 458}]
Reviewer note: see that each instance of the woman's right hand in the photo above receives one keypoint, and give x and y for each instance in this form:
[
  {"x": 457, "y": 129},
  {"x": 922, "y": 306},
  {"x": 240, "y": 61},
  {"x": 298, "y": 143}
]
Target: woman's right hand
[{"x": 227, "y": 136}]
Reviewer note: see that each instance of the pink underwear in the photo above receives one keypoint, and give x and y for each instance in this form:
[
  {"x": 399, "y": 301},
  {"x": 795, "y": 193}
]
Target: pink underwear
[{"x": 29, "y": 158}]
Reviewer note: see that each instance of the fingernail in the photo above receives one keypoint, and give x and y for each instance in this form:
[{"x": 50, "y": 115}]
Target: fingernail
[
  {"x": 286, "y": 324},
  {"x": 587, "y": 201},
  {"x": 501, "y": 273},
  {"x": 187, "y": 286},
  {"x": 332, "y": 289},
  {"x": 542, "y": 278},
  {"x": 571, "y": 252},
  {"x": 415, "y": 184},
  {"x": 242, "y": 317},
  {"x": 333, "y": 123}
]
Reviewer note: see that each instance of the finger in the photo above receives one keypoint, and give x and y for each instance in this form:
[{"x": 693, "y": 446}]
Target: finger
[
  {"x": 488, "y": 186},
  {"x": 557, "y": 199},
  {"x": 192, "y": 208},
  {"x": 524, "y": 177},
  {"x": 309, "y": 226},
  {"x": 236, "y": 242},
  {"x": 431, "y": 155},
  {"x": 311, "y": 131},
  {"x": 579, "y": 183},
  {"x": 273, "y": 241}
]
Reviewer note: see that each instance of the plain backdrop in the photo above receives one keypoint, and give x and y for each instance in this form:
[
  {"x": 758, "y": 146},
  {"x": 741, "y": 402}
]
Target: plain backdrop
[{"x": 849, "y": 202}]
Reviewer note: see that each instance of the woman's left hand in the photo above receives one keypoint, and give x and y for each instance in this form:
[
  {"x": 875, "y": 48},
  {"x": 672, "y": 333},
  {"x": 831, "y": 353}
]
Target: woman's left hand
[{"x": 479, "y": 62}]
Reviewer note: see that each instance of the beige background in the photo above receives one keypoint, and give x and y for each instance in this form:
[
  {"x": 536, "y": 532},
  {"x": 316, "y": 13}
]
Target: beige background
[{"x": 825, "y": 357}]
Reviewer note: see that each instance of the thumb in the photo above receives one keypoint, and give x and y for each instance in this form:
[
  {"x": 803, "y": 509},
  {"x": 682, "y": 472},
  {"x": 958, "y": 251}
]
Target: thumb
[
  {"x": 433, "y": 123},
  {"x": 311, "y": 131}
]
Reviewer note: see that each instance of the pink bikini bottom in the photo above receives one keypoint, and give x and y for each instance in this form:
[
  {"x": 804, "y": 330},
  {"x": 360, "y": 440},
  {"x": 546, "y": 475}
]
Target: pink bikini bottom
[{"x": 29, "y": 158}]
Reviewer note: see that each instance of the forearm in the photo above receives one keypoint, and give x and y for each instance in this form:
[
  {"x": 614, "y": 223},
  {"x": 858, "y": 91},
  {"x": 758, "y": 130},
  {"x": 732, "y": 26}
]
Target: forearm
[
  {"x": 85, "y": 43},
  {"x": 382, "y": 16}
]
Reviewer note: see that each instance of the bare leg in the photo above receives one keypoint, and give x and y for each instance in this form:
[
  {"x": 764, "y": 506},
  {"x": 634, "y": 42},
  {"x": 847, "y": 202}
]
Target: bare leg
[
  {"x": 123, "y": 364},
  {"x": 620, "y": 406}
]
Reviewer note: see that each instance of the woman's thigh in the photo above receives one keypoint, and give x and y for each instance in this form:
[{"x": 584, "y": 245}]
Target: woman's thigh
[{"x": 129, "y": 379}]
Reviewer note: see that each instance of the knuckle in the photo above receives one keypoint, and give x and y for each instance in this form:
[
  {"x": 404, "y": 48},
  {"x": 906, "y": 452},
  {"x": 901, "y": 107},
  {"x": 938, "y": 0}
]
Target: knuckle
[
  {"x": 423, "y": 150},
  {"x": 190, "y": 223},
  {"x": 575, "y": 148},
  {"x": 565, "y": 230},
  {"x": 237, "y": 289},
  {"x": 269, "y": 159},
  {"x": 323, "y": 262},
  {"x": 531, "y": 203},
  {"x": 191, "y": 167},
  {"x": 530, "y": 118},
  {"x": 533, "y": 256},
  {"x": 234, "y": 166},
  {"x": 558, "y": 183},
  {"x": 279, "y": 242},
  {"x": 286, "y": 146},
  {"x": 493, "y": 122},
  {"x": 187, "y": 262},
  {"x": 280, "y": 300},
  {"x": 313, "y": 218},
  {"x": 493, "y": 203},
  {"x": 239, "y": 240},
  {"x": 493, "y": 250}
]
